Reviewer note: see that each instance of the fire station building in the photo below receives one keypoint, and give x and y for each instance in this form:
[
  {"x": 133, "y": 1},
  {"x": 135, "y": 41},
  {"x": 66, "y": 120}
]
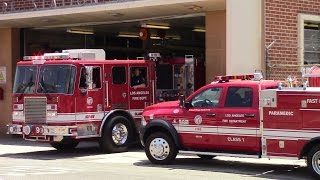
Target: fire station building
[{"x": 277, "y": 37}]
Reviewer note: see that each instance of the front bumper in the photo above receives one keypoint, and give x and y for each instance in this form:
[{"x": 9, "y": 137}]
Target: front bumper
[{"x": 41, "y": 130}]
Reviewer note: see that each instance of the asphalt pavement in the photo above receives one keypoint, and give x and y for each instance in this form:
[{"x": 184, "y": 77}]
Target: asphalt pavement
[{"x": 21, "y": 159}]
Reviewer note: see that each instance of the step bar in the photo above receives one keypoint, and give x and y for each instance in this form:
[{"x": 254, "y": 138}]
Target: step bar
[{"x": 220, "y": 154}]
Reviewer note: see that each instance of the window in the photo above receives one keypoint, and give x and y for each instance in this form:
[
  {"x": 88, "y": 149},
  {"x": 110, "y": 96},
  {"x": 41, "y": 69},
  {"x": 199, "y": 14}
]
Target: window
[
  {"x": 311, "y": 44},
  {"x": 239, "y": 97},
  {"x": 119, "y": 75},
  {"x": 56, "y": 79},
  {"x": 25, "y": 79},
  {"x": 96, "y": 78},
  {"x": 207, "y": 98},
  {"x": 138, "y": 77},
  {"x": 90, "y": 77}
]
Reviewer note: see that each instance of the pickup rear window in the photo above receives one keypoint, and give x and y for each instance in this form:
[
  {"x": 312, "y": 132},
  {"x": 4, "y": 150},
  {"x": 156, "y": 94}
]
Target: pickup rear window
[{"x": 239, "y": 97}]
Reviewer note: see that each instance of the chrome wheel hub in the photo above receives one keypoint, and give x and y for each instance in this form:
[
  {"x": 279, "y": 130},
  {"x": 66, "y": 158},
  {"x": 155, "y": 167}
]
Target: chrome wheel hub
[
  {"x": 119, "y": 134},
  {"x": 159, "y": 148},
  {"x": 316, "y": 162}
]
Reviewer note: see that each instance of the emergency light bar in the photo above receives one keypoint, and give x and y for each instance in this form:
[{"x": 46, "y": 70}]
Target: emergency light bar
[
  {"x": 239, "y": 77},
  {"x": 31, "y": 58},
  {"x": 55, "y": 56},
  {"x": 257, "y": 76},
  {"x": 48, "y": 56}
]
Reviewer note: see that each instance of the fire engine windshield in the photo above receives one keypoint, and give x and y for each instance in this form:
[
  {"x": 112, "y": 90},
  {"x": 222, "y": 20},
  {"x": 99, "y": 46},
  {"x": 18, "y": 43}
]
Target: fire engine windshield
[
  {"x": 25, "y": 77},
  {"x": 55, "y": 79}
]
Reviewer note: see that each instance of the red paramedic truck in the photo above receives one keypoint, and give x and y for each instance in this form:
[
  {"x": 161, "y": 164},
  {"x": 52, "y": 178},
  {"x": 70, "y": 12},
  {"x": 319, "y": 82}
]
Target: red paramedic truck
[
  {"x": 237, "y": 117},
  {"x": 64, "y": 98}
]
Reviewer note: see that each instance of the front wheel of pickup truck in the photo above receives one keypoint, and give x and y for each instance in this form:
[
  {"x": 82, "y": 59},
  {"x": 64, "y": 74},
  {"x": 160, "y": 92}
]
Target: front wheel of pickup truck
[
  {"x": 160, "y": 148},
  {"x": 313, "y": 161}
]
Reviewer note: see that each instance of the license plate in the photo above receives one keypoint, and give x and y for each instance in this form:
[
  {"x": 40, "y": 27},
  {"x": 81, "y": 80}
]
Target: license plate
[{"x": 14, "y": 129}]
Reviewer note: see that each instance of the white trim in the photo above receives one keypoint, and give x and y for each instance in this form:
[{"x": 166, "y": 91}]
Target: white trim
[
  {"x": 290, "y": 134},
  {"x": 219, "y": 154},
  {"x": 217, "y": 130},
  {"x": 281, "y": 157},
  {"x": 242, "y": 131},
  {"x": 92, "y": 8},
  {"x": 284, "y": 138}
]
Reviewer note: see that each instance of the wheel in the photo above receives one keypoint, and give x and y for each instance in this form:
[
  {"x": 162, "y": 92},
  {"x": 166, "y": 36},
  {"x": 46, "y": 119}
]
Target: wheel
[
  {"x": 313, "y": 161},
  {"x": 117, "y": 135},
  {"x": 65, "y": 145},
  {"x": 160, "y": 148},
  {"x": 205, "y": 157}
]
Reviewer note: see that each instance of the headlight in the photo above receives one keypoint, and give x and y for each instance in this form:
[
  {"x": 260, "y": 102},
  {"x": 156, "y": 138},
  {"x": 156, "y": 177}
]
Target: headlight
[
  {"x": 17, "y": 113},
  {"x": 143, "y": 122}
]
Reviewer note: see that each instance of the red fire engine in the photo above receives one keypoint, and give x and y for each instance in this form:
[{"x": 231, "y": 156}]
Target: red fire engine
[
  {"x": 241, "y": 118},
  {"x": 62, "y": 99}
]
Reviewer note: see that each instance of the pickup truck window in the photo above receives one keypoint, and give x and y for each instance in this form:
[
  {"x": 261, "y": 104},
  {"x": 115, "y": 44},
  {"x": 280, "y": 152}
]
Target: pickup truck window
[
  {"x": 207, "y": 98},
  {"x": 239, "y": 97}
]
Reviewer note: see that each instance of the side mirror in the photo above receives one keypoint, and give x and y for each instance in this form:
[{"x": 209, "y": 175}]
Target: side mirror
[
  {"x": 83, "y": 91},
  {"x": 182, "y": 101}
]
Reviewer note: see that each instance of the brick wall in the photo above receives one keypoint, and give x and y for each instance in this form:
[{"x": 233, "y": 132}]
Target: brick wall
[
  {"x": 281, "y": 23},
  {"x": 9, "y": 6}
]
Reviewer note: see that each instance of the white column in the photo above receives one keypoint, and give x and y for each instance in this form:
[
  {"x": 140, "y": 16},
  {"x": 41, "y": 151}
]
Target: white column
[{"x": 244, "y": 36}]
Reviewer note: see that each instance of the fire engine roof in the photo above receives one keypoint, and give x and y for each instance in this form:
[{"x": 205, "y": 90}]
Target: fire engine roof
[{"x": 75, "y": 62}]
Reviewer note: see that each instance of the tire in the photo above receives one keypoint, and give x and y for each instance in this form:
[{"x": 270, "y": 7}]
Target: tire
[
  {"x": 205, "y": 157},
  {"x": 160, "y": 148},
  {"x": 65, "y": 145},
  {"x": 313, "y": 159},
  {"x": 117, "y": 135}
]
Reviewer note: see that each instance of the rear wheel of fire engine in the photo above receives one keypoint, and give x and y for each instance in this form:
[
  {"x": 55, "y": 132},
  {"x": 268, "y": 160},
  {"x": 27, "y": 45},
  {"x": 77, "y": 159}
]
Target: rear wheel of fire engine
[
  {"x": 205, "y": 157},
  {"x": 65, "y": 145},
  {"x": 313, "y": 161},
  {"x": 117, "y": 135},
  {"x": 160, "y": 148}
]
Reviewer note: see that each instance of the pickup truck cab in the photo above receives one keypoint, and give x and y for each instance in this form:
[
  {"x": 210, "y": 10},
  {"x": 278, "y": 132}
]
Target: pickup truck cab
[{"x": 222, "y": 117}]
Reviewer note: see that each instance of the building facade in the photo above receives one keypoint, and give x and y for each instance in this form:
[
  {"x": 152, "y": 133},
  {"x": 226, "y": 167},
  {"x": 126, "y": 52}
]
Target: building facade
[
  {"x": 293, "y": 26},
  {"x": 236, "y": 33}
]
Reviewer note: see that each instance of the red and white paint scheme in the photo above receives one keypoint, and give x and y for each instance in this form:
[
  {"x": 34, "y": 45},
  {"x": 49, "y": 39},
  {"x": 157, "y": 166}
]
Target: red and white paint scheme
[
  {"x": 63, "y": 98},
  {"x": 237, "y": 117}
]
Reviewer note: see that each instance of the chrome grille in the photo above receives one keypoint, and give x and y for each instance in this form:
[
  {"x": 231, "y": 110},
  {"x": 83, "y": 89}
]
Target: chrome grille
[{"x": 35, "y": 109}]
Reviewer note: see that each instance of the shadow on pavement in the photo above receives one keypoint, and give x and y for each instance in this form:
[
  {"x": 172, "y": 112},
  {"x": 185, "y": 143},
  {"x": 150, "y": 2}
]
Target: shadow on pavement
[
  {"x": 17, "y": 140},
  {"x": 54, "y": 154},
  {"x": 246, "y": 169},
  {"x": 83, "y": 149}
]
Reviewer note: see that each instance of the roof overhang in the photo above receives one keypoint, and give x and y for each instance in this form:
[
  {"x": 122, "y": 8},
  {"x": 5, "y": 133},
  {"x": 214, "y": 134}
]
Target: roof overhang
[{"x": 118, "y": 12}]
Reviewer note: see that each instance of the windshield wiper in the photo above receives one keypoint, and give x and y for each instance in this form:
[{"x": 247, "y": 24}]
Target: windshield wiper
[
  {"x": 45, "y": 91},
  {"x": 29, "y": 84}
]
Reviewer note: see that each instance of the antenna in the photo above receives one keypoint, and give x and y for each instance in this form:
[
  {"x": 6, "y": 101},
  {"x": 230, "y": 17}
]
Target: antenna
[{"x": 268, "y": 63}]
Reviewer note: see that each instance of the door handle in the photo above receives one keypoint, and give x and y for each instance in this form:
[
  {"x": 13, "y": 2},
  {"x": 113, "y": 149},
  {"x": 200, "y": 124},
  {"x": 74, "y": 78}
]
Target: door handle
[
  {"x": 249, "y": 115},
  {"x": 211, "y": 115}
]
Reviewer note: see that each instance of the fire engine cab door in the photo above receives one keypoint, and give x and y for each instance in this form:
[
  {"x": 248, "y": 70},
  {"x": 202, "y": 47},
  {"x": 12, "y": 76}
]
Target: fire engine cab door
[
  {"x": 140, "y": 87},
  {"x": 91, "y": 91},
  {"x": 238, "y": 124},
  {"x": 198, "y": 127},
  {"x": 116, "y": 82}
]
